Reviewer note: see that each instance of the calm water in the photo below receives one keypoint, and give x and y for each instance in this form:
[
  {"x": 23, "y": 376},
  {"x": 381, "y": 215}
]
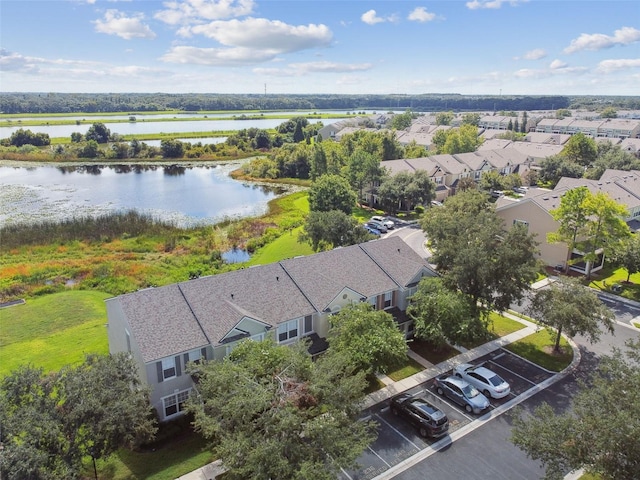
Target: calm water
[{"x": 185, "y": 195}]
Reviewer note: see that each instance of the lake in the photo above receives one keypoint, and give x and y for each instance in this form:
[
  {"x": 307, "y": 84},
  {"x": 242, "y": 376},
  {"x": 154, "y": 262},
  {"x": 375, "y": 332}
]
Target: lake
[{"x": 187, "y": 196}]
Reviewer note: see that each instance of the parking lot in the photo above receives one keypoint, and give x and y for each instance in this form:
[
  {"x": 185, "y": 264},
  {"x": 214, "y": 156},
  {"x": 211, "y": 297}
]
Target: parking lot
[{"x": 398, "y": 441}]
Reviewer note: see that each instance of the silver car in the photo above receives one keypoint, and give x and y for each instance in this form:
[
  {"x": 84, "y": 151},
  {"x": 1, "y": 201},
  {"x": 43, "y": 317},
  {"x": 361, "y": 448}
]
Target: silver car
[
  {"x": 464, "y": 394},
  {"x": 488, "y": 382}
]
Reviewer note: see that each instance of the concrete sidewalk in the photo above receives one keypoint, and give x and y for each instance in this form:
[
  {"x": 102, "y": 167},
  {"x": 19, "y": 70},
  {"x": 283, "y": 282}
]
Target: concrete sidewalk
[{"x": 209, "y": 472}]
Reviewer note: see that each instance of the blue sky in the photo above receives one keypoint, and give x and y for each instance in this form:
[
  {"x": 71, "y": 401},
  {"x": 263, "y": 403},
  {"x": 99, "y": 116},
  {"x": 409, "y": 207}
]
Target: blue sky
[{"x": 484, "y": 47}]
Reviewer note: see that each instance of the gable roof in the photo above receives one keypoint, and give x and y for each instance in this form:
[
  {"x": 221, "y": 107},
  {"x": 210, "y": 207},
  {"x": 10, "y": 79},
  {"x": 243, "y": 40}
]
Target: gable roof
[{"x": 169, "y": 320}]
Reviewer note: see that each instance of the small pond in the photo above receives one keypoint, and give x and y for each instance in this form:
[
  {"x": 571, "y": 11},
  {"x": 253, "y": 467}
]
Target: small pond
[{"x": 185, "y": 195}]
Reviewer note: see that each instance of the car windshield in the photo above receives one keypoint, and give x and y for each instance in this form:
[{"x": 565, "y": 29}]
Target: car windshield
[
  {"x": 496, "y": 380},
  {"x": 470, "y": 391}
]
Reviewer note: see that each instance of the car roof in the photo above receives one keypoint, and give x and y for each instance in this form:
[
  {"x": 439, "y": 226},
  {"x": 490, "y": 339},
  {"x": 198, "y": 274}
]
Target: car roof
[
  {"x": 426, "y": 407},
  {"x": 483, "y": 371},
  {"x": 457, "y": 381}
]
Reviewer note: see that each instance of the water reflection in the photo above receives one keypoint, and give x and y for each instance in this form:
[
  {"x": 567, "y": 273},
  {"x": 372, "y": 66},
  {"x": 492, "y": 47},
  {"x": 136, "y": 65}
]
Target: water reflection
[
  {"x": 236, "y": 255},
  {"x": 183, "y": 195}
]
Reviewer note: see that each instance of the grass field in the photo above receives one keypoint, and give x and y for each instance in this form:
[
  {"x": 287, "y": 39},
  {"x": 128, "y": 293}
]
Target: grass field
[
  {"x": 538, "y": 348},
  {"x": 53, "y": 330}
]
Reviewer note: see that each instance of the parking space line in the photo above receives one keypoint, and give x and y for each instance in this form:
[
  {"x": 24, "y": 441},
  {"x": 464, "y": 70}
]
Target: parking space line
[
  {"x": 398, "y": 432},
  {"x": 511, "y": 371},
  {"x": 345, "y": 473},
  {"x": 383, "y": 460}
]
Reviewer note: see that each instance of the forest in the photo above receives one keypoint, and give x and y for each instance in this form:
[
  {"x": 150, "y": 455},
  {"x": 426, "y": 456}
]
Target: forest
[{"x": 32, "y": 103}]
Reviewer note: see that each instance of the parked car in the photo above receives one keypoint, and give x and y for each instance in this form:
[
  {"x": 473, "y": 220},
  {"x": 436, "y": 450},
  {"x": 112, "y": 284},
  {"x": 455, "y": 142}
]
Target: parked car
[
  {"x": 377, "y": 225},
  {"x": 462, "y": 393},
  {"x": 522, "y": 190},
  {"x": 436, "y": 203},
  {"x": 489, "y": 383},
  {"x": 428, "y": 419},
  {"x": 385, "y": 221},
  {"x": 497, "y": 193},
  {"x": 373, "y": 231}
]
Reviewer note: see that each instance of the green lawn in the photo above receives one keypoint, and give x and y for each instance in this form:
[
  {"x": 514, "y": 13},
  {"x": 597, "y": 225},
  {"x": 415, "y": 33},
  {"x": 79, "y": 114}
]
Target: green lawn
[
  {"x": 538, "y": 347},
  {"x": 426, "y": 351},
  {"x": 285, "y": 246},
  {"x": 606, "y": 278},
  {"x": 53, "y": 330},
  {"x": 173, "y": 460},
  {"x": 410, "y": 367},
  {"x": 499, "y": 327}
]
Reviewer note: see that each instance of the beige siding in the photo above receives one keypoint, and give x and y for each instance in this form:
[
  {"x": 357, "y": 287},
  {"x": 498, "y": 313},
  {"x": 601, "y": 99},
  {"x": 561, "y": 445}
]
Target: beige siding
[{"x": 540, "y": 223}]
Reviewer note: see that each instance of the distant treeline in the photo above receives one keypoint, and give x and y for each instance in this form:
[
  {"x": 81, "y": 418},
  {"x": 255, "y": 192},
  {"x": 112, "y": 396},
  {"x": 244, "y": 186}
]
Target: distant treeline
[{"x": 153, "y": 102}]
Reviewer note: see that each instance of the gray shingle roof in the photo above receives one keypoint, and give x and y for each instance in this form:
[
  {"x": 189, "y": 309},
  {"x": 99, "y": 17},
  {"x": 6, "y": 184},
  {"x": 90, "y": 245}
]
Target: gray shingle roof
[{"x": 177, "y": 318}]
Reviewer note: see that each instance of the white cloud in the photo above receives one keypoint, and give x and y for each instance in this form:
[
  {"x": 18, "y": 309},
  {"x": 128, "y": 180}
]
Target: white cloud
[
  {"x": 420, "y": 14},
  {"x": 600, "y": 41},
  {"x": 217, "y": 56},
  {"x": 263, "y": 34},
  {"x": 371, "y": 18},
  {"x": 535, "y": 54},
  {"x": 117, "y": 23},
  {"x": 491, "y": 4},
  {"x": 608, "y": 66},
  {"x": 556, "y": 64},
  {"x": 188, "y": 11},
  {"x": 300, "y": 69}
]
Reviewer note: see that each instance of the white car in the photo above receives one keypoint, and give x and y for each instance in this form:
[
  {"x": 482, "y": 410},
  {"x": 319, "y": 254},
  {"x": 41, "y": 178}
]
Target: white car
[
  {"x": 488, "y": 382},
  {"x": 384, "y": 221}
]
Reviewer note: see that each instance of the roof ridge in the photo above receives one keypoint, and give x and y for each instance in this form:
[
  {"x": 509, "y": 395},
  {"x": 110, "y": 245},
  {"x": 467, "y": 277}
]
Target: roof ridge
[{"x": 204, "y": 332}]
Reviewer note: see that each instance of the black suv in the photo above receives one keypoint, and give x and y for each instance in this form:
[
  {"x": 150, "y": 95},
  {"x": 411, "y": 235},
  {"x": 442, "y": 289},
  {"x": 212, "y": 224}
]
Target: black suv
[{"x": 429, "y": 421}]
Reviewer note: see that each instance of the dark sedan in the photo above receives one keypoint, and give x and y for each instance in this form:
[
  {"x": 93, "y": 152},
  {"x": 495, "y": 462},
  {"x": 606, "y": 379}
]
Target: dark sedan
[{"x": 429, "y": 420}]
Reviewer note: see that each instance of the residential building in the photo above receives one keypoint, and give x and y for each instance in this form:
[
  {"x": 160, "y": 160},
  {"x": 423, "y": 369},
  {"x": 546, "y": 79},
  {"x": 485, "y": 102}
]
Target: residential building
[
  {"x": 534, "y": 210},
  {"x": 166, "y": 328}
]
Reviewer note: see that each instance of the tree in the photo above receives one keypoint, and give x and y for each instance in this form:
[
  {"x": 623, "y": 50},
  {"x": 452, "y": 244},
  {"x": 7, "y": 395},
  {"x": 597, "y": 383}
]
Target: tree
[
  {"x": 476, "y": 255},
  {"x": 49, "y": 423},
  {"x": 442, "y": 316},
  {"x": 600, "y": 433},
  {"x": 298, "y": 134},
  {"x": 523, "y": 126},
  {"x": 572, "y": 217},
  {"x": 332, "y": 229},
  {"x": 172, "y": 148},
  {"x": 556, "y": 166},
  {"x": 368, "y": 337},
  {"x": 402, "y": 121},
  {"x": 362, "y": 169},
  {"x": 491, "y": 180},
  {"x": 272, "y": 412},
  {"x": 90, "y": 149},
  {"x": 98, "y": 132},
  {"x": 580, "y": 149},
  {"x": 444, "y": 118},
  {"x": 76, "y": 137},
  {"x": 567, "y": 306},
  {"x": 471, "y": 119},
  {"x": 609, "y": 112},
  {"x": 26, "y": 137},
  {"x": 628, "y": 255},
  {"x": 406, "y": 190},
  {"x": 606, "y": 227},
  {"x": 590, "y": 223},
  {"x": 331, "y": 192}
]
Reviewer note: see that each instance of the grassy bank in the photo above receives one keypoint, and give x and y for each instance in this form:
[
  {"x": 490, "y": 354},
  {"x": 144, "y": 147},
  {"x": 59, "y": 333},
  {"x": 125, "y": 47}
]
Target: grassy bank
[{"x": 53, "y": 330}]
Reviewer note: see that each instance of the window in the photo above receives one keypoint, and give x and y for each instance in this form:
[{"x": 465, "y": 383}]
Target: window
[
  {"x": 174, "y": 404},
  {"x": 168, "y": 368},
  {"x": 374, "y": 302},
  {"x": 288, "y": 330},
  {"x": 308, "y": 325},
  {"x": 388, "y": 297},
  {"x": 193, "y": 356},
  {"x": 521, "y": 222}
]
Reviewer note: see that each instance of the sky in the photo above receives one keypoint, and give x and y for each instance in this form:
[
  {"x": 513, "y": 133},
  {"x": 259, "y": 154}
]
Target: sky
[{"x": 469, "y": 47}]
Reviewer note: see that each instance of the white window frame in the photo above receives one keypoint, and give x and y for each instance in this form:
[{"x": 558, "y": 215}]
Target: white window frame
[
  {"x": 195, "y": 355},
  {"x": 286, "y": 328},
  {"x": 177, "y": 400},
  {"x": 167, "y": 365},
  {"x": 308, "y": 331},
  {"x": 388, "y": 300}
]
